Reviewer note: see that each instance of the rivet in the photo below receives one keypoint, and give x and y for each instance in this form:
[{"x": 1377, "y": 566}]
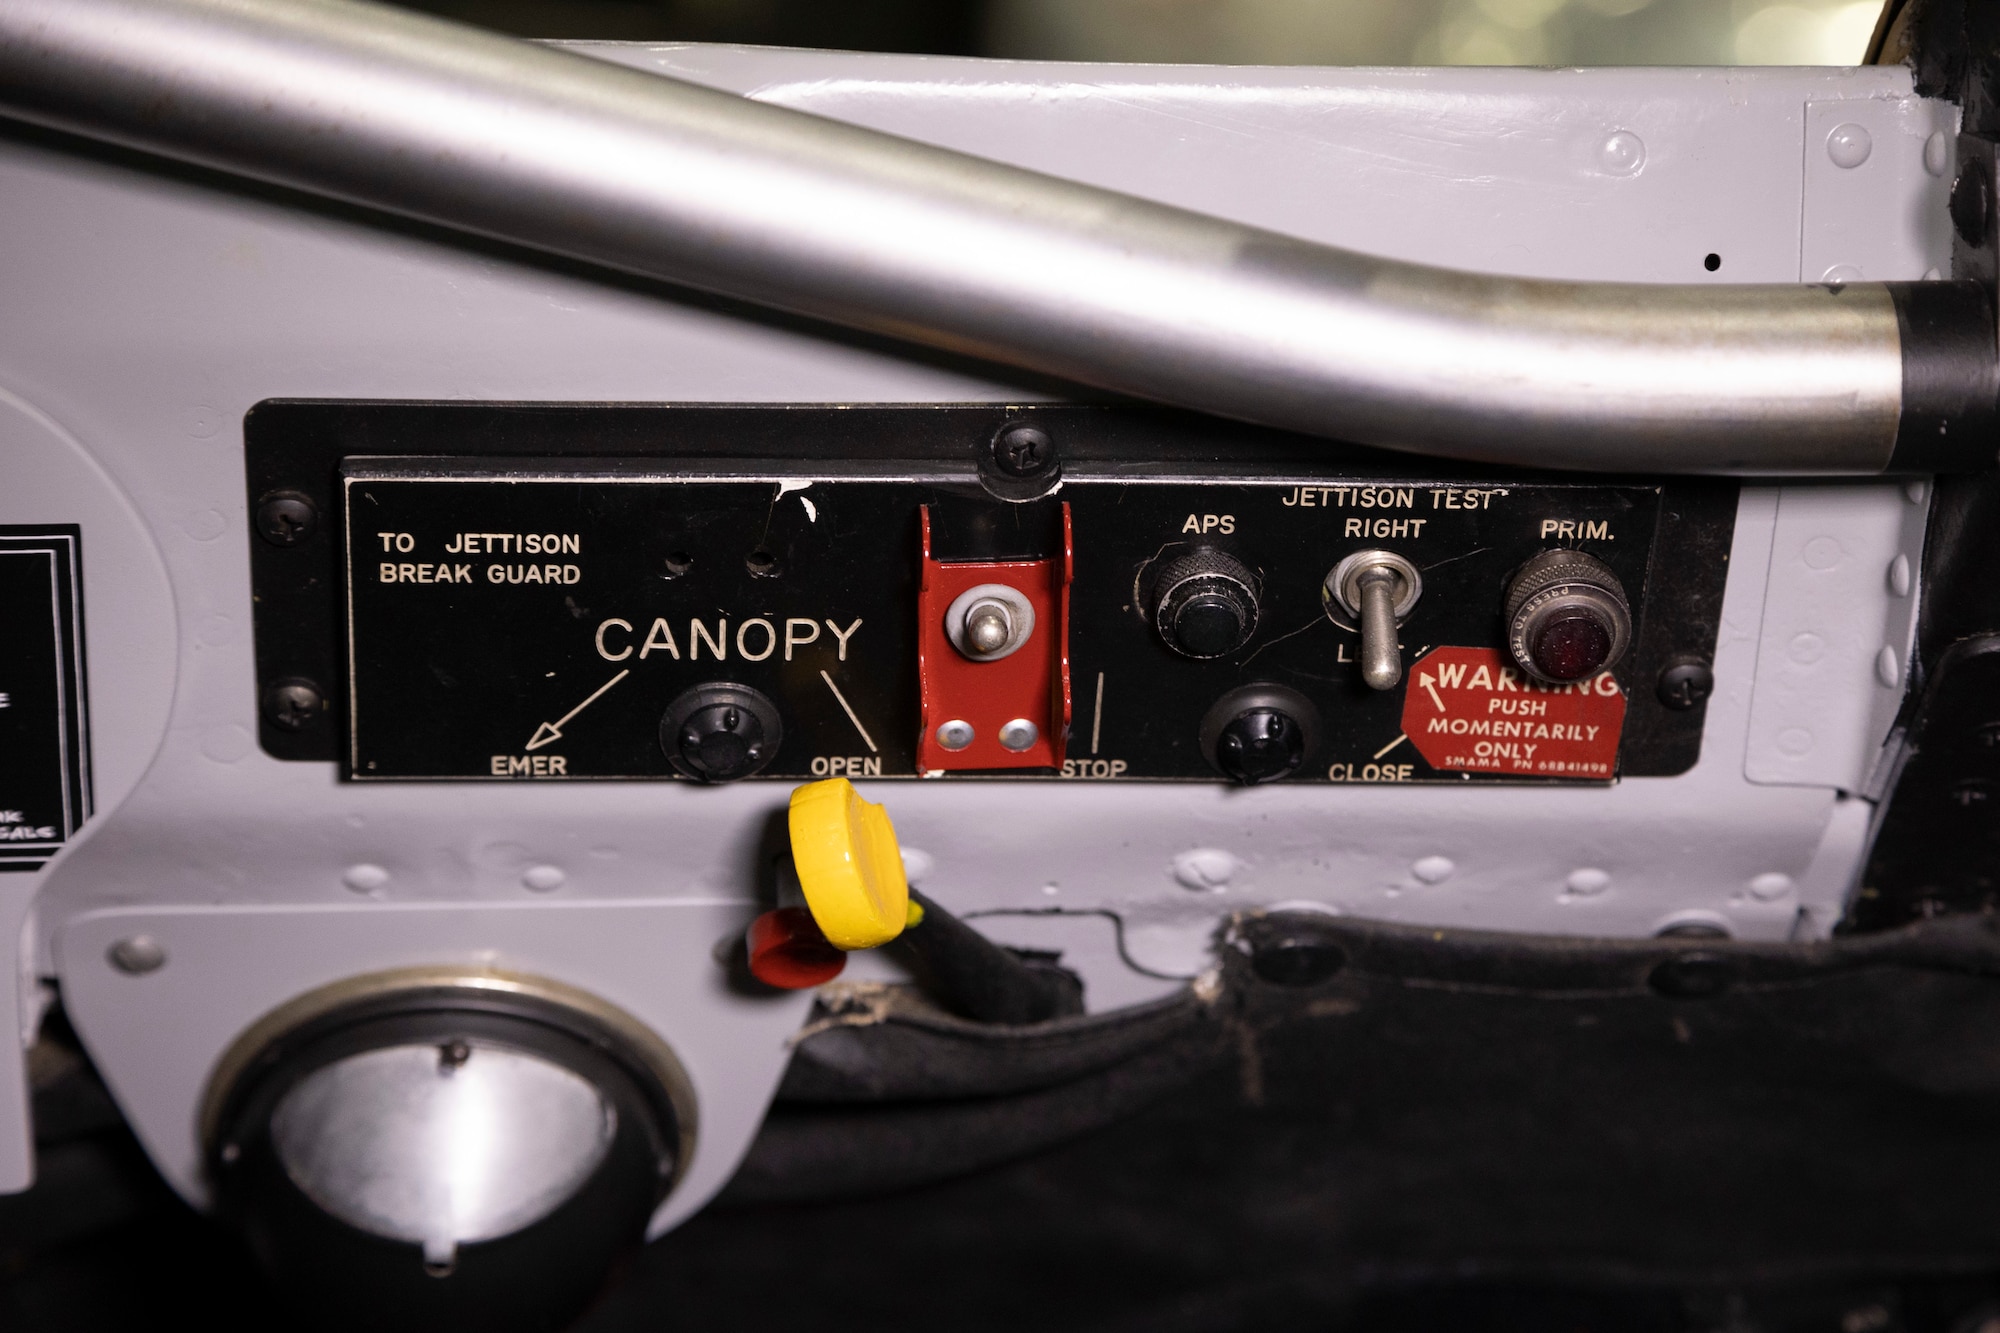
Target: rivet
[
  {"x": 1767, "y": 887},
  {"x": 1900, "y": 582},
  {"x": 1019, "y": 734},
  {"x": 1587, "y": 882},
  {"x": 955, "y": 734},
  {"x": 1849, "y": 145},
  {"x": 1621, "y": 154},
  {"x": 1889, "y": 668},
  {"x": 543, "y": 879},
  {"x": 1841, "y": 274},
  {"x": 1937, "y": 153},
  {"x": 365, "y": 877},
  {"x": 1805, "y": 649},
  {"x": 1795, "y": 741},
  {"x": 1433, "y": 869},
  {"x": 1821, "y": 553},
  {"x": 1204, "y": 869},
  {"x": 136, "y": 955}
]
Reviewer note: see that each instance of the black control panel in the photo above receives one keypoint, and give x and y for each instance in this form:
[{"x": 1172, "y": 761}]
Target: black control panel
[
  {"x": 44, "y": 731},
  {"x": 500, "y": 593}
]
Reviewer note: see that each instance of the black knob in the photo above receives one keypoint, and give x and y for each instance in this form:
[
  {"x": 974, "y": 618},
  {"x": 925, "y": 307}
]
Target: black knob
[
  {"x": 1205, "y": 603},
  {"x": 719, "y": 733},
  {"x": 1567, "y": 617},
  {"x": 1260, "y": 733},
  {"x": 1261, "y": 745}
]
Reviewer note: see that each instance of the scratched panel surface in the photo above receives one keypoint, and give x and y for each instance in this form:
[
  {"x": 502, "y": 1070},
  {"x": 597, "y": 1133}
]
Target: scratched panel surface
[{"x": 533, "y": 620}]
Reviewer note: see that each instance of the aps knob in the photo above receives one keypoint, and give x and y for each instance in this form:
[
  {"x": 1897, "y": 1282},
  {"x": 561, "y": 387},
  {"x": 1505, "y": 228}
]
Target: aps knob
[
  {"x": 1567, "y": 617},
  {"x": 1205, "y": 603}
]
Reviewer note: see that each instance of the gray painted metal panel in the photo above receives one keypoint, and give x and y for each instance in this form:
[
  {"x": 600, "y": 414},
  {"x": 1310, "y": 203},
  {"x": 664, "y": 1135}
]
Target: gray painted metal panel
[{"x": 147, "y": 313}]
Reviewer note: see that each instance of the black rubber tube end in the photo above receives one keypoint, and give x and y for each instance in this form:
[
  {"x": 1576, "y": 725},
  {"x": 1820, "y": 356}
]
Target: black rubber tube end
[{"x": 1951, "y": 378}]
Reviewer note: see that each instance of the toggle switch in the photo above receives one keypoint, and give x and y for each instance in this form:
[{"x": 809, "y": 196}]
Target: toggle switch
[
  {"x": 993, "y": 658},
  {"x": 989, "y": 621},
  {"x": 1378, "y": 590}
]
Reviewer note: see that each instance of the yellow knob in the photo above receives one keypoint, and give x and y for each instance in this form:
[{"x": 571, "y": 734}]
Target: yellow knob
[{"x": 849, "y": 865}]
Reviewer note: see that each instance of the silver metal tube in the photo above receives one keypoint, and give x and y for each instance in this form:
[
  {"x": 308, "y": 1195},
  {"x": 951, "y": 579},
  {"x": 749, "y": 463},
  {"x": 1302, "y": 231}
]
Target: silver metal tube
[{"x": 554, "y": 150}]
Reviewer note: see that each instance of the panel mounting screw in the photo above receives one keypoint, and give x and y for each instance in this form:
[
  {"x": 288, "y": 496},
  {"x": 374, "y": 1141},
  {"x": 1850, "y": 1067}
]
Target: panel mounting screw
[
  {"x": 1023, "y": 451},
  {"x": 955, "y": 734},
  {"x": 286, "y": 518},
  {"x": 293, "y": 705},
  {"x": 1685, "y": 682},
  {"x": 136, "y": 955},
  {"x": 1971, "y": 204}
]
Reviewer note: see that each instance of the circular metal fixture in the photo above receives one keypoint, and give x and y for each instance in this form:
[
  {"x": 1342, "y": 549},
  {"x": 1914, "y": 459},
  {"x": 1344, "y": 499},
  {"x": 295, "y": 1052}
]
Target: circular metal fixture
[
  {"x": 989, "y": 622},
  {"x": 1260, "y": 733},
  {"x": 426, "y": 1148},
  {"x": 442, "y": 1144},
  {"x": 720, "y": 732},
  {"x": 1205, "y": 604},
  {"x": 1567, "y": 617},
  {"x": 955, "y": 734}
]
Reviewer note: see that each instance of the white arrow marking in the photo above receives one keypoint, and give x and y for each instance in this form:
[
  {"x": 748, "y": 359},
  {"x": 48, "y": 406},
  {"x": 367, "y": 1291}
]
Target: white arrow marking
[
  {"x": 1390, "y": 746},
  {"x": 1424, "y": 679},
  {"x": 549, "y": 732},
  {"x": 849, "y": 710}
]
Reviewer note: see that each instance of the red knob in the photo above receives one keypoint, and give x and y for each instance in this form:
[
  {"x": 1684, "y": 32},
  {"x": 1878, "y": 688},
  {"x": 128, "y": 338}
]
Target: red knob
[{"x": 788, "y": 950}]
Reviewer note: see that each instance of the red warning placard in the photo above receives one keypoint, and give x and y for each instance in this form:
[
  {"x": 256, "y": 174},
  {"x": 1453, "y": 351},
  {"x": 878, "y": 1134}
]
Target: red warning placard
[{"x": 1471, "y": 710}]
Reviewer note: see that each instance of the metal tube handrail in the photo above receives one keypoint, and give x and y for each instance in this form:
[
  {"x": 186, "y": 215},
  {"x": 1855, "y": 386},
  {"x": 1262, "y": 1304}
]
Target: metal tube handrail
[{"x": 552, "y": 149}]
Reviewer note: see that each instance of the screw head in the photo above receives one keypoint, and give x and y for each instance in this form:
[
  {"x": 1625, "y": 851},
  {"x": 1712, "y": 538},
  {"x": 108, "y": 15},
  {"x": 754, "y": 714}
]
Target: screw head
[
  {"x": 1019, "y": 734},
  {"x": 293, "y": 705},
  {"x": 1023, "y": 451},
  {"x": 286, "y": 518},
  {"x": 955, "y": 734},
  {"x": 1972, "y": 203},
  {"x": 1692, "y": 976},
  {"x": 136, "y": 955},
  {"x": 1684, "y": 683},
  {"x": 1296, "y": 960}
]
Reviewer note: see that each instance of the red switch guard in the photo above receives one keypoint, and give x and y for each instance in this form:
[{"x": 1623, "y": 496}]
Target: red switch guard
[{"x": 1032, "y": 682}]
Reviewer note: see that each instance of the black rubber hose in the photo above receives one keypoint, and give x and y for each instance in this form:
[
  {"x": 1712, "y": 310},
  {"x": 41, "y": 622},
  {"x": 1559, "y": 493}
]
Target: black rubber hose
[{"x": 981, "y": 979}]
